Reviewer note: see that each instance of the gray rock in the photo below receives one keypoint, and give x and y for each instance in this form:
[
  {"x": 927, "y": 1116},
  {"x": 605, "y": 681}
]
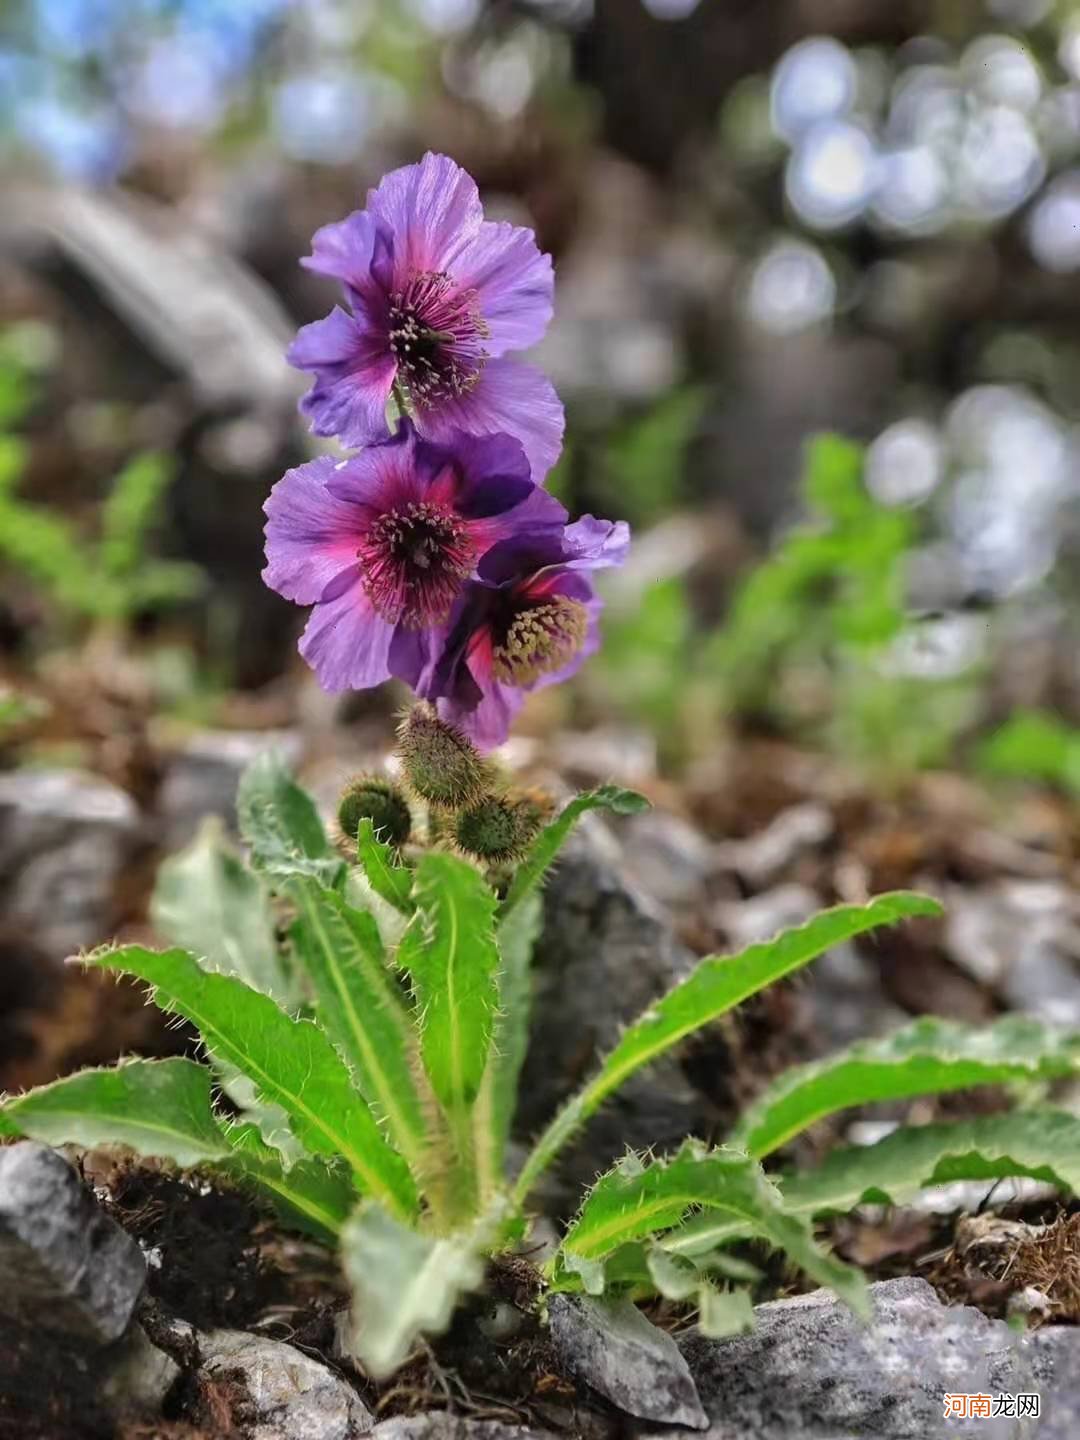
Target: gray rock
[
  {"x": 65, "y": 840},
  {"x": 812, "y": 1371},
  {"x": 1054, "y": 1374},
  {"x": 605, "y": 954},
  {"x": 201, "y": 778},
  {"x": 439, "y": 1425},
  {"x": 612, "y": 1347},
  {"x": 67, "y": 1267},
  {"x": 666, "y": 857},
  {"x": 137, "y": 1378},
  {"x": 285, "y": 1394},
  {"x": 761, "y": 858}
]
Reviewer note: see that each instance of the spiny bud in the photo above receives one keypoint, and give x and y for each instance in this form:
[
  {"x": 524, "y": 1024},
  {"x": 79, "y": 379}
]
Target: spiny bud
[
  {"x": 370, "y": 797},
  {"x": 441, "y": 764},
  {"x": 536, "y": 805},
  {"x": 495, "y": 830}
]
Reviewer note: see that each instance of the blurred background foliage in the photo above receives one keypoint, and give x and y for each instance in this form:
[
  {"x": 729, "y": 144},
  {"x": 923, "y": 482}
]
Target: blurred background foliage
[{"x": 818, "y": 334}]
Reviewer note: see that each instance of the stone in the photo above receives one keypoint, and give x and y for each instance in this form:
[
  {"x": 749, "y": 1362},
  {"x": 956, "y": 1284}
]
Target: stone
[
  {"x": 611, "y": 1347},
  {"x": 202, "y": 776},
  {"x": 761, "y": 858},
  {"x": 440, "y": 1425},
  {"x": 666, "y": 857},
  {"x": 67, "y": 1267},
  {"x": 137, "y": 1378},
  {"x": 811, "y": 1370},
  {"x": 276, "y": 1392},
  {"x": 604, "y": 955},
  {"x": 66, "y": 839}
]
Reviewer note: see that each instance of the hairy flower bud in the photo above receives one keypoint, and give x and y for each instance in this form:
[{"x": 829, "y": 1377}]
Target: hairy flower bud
[
  {"x": 495, "y": 830},
  {"x": 441, "y": 764},
  {"x": 370, "y": 797}
]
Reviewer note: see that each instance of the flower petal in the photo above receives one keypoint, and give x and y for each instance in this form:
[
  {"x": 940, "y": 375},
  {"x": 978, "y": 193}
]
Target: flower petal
[
  {"x": 354, "y": 372},
  {"x": 510, "y": 399},
  {"x": 345, "y": 642},
  {"x": 345, "y": 250},
  {"x": 432, "y": 210},
  {"x": 311, "y": 535},
  {"x": 593, "y": 544},
  {"x": 514, "y": 285}
]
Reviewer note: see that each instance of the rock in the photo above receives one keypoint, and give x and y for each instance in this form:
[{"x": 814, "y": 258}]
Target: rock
[
  {"x": 1053, "y": 1372},
  {"x": 272, "y": 1391},
  {"x": 442, "y": 1426},
  {"x": 747, "y": 921},
  {"x": 201, "y": 778},
  {"x": 666, "y": 857},
  {"x": 67, "y": 1267},
  {"x": 604, "y": 955},
  {"x": 65, "y": 840},
  {"x": 762, "y": 857},
  {"x": 811, "y": 1369},
  {"x": 137, "y": 1377},
  {"x": 613, "y": 1348}
]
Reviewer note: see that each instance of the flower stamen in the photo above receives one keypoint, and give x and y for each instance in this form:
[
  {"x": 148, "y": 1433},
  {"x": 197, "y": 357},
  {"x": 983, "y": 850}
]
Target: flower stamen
[
  {"x": 436, "y": 335},
  {"x": 540, "y": 640},
  {"x": 414, "y": 560}
]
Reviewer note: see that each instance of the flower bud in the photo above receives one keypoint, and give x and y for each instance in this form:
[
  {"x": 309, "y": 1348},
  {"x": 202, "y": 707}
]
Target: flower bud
[
  {"x": 370, "y": 797},
  {"x": 441, "y": 764},
  {"x": 495, "y": 830}
]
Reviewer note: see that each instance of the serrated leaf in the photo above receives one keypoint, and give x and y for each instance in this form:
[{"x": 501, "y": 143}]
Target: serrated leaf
[
  {"x": 552, "y": 837},
  {"x": 449, "y": 951},
  {"x": 360, "y": 1006},
  {"x": 405, "y": 1284},
  {"x": 158, "y": 1108},
  {"x": 715, "y": 986},
  {"x": 313, "y": 1195},
  {"x": 926, "y": 1057},
  {"x": 292, "y": 1063},
  {"x": 1041, "y": 1144},
  {"x": 516, "y": 937},
  {"x": 281, "y": 825},
  {"x": 206, "y": 901},
  {"x": 386, "y": 875},
  {"x": 631, "y": 1203}
]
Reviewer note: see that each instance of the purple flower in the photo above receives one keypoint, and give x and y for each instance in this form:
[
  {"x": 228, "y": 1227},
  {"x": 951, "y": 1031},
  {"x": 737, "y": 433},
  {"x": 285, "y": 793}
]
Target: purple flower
[
  {"x": 438, "y": 296},
  {"x": 383, "y": 544},
  {"x": 529, "y": 620}
]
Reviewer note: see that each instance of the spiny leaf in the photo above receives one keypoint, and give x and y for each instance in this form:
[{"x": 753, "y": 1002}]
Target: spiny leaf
[
  {"x": 405, "y": 1284},
  {"x": 634, "y": 1201},
  {"x": 314, "y": 1195},
  {"x": 208, "y": 902},
  {"x": 715, "y": 986},
  {"x": 724, "y": 1312},
  {"x": 158, "y": 1108},
  {"x": 516, "y": 937},
  {"x": 292, "y": 1063},
  {"x": 924, "y": 1058},
  {"x": 280, "y": 823},
  {"x": 360, "y": 1006},
  {"x": 551, "y": 839},
  {"x": 449, "y": 951},
  {"x": 388, "y": 878}
]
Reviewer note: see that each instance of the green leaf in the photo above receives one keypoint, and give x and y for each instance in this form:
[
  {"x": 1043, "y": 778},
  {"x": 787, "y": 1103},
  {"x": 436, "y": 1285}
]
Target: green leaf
[
  {"x": 157, "y": 1108},
  {"x": 282, "y": 826},
  {"x": 1034, "y": 745},
  {"x": 1041, "y": 1144},
  {"x": 516, "y": 937},
  {"x": 926, "y": 1057},
  {"x": 634, "y": 1201},
  {"x": 724, "y": 1312},
  {"x": 551, "y": 839},
  {"x": 405, "y": 1284},
  {"x": 449, "y": 951},
  {"x": 206, "y": 901},
  {"x": 313, "y": 1195},
  {"x": 832, "y": 479},
  {"x": 386, "y": 876},
  {"x": 292, "y": 1063},
  {"x": 715, "y": 986},
  {"x": 360, "y": 1006}
]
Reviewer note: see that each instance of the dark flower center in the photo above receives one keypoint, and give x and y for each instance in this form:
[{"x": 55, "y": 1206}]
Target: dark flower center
[
  {"x": 437, "y": 335},
  {"x": 414, "y": 560},
  {"x": 540, "y": 640}
]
